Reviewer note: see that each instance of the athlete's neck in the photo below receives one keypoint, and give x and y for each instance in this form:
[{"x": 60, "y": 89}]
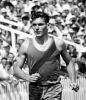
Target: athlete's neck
[{"x": 42, "y": 40}]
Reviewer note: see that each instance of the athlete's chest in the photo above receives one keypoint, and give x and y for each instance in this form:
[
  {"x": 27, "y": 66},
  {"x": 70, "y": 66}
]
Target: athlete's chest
[{"x": 36, "y": 51}]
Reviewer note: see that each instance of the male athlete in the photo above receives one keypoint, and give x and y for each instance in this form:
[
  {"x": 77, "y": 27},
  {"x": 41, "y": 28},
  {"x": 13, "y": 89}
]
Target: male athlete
[{"x": 43, "y": 56}]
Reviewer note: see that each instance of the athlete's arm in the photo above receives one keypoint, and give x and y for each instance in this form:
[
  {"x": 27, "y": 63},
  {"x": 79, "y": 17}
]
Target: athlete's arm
[
  {"x": 61, "y": 46},
  {"x": 17, "y": 68},
  {"x": 70, "y": 67},
  {"x": 19, "y": 64},
  {"x": 18, "y": 72},
  {"x": 69, "y": 62}
]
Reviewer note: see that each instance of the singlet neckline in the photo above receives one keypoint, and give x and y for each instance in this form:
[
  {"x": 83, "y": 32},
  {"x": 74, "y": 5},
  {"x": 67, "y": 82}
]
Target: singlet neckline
[{"x": 43, "y": 47}]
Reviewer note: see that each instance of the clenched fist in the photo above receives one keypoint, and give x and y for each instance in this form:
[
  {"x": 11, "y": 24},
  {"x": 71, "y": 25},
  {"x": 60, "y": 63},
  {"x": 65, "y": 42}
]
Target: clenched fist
[{"x": 34, "y": 77}]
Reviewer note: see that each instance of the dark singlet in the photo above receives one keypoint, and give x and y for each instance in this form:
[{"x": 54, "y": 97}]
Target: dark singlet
[{"x": 49, "y": 69}]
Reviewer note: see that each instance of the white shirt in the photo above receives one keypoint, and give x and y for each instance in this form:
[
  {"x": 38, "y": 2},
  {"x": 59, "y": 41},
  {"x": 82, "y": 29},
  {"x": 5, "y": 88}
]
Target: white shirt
[{"x": 3, "y": 73}]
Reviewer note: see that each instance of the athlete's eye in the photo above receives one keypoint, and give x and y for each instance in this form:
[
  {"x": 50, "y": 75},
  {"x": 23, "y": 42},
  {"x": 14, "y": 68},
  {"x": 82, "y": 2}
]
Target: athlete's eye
[
  {"x": 34, "y": 24},
  {"x": 40, "y": 24}
]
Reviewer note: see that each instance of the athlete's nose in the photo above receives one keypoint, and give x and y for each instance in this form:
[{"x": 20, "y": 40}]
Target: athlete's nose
[{"x": 37, "y": 27}]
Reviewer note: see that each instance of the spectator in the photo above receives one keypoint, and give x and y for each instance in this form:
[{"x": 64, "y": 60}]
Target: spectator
[
  {"x": 28, "y": 6},
  {"x": 82, "y": 63},
  {"x": 72, "y": 51},
  {"x": 9, "y": 9},
  {"x": 4, "y": 62},
  {"x": 20, "y": 40},
  {"x": 84, "y": 43},
  {"x": 10, "y": 57},
  {"x": 3, "y": 73},
  {"x": 24, "y": 25},
  {"x": 3, "y": 13},
  {"x": 35, "y": 8},
  {"x": 18, "y": 46},
  {"x": 1, "y": 43},
  {"x": 65, "y": 36},
  {"x": 6, "y": 37},
  {"x": 6, "y": 49}
]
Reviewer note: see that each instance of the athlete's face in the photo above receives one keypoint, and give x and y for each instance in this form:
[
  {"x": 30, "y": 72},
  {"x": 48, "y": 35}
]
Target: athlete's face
[{"x": 39, "y": 26}]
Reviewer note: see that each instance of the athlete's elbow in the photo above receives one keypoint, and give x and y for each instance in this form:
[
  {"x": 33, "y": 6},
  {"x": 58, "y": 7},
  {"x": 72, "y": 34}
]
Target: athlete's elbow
[
  {"x": 71, "y": 61},
  {"x": 15, "y": 70},
  {"x": 5, "y": 77}
]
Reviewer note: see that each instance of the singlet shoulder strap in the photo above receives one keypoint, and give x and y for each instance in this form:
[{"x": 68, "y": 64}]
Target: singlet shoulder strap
[{"x": 45, "y": 57}]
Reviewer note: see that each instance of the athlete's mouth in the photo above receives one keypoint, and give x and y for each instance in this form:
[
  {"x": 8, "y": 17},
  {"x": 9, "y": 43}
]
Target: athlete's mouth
[{"x": 38, "y": 32}]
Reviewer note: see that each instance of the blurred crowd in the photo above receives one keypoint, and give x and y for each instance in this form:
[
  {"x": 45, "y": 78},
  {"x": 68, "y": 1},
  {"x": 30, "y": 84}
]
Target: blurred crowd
[{"x": 67, "y": 21}]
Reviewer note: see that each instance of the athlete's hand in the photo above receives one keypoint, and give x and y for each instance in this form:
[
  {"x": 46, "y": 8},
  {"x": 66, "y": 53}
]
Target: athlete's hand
[
  {"x": 74, "y": 87},
  {"x": 34, "y": 77}
]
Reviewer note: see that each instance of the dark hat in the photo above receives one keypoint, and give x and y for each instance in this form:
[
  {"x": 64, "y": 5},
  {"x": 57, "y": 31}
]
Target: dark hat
[
  {"x": 25, "y": 17},
  {"x": 1, "y": 40}
]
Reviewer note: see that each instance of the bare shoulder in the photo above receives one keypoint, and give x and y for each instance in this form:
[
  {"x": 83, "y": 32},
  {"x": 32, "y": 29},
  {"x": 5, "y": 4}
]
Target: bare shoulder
[
  {"x": 24, "y": 46},
  {"x": 60, "y": 44}
]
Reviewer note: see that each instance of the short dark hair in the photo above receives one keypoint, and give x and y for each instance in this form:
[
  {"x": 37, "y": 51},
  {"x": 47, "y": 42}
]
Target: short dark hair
[
  {"x": 34, "y": 7},
  {"x": 83, "y": 54},
  {"x": 84, "y": 36},
  {"x": 1, "y": 40},
  {"x": 3, "y": 58},
  {"x": 11, "y": 53},
  {"x": 25, "y": 17},
  {"x": 40, "y": 14}
]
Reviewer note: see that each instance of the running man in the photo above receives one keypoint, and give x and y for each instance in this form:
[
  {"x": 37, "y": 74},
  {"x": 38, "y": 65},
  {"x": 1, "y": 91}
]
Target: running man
[{"x": 43, "y": 56}]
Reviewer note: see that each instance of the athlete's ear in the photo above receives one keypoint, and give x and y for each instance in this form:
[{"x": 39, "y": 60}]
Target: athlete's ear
[
  {"x": 31, "y": 23},
  {"x": 48, "y": 24}
]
